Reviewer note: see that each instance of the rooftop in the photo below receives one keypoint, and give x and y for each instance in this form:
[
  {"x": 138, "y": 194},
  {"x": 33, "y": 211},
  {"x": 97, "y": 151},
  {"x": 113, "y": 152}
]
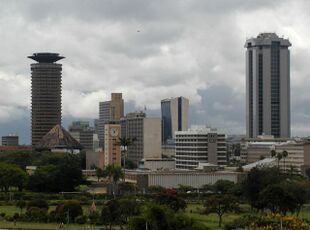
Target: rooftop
[
  {"x": 46, "y": 57},
  {"x": 266, "y": 39},
  {"x": 58, "y": 138}
]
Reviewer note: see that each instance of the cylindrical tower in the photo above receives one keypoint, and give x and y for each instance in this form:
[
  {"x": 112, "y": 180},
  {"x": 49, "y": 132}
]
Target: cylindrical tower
[{"x": 45, "y": 94}]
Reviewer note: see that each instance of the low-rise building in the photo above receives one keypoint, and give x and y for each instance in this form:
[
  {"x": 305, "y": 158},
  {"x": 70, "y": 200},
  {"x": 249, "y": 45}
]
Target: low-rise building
[
  {"x": 200, "y": 144},
  {"x": 297, "y": 159},
  {"x": 10, "y": 140},
  {"x": 157, "y": 164},
  {"x": 255, "y": 149},
  {"x": 173, "y": 179}
]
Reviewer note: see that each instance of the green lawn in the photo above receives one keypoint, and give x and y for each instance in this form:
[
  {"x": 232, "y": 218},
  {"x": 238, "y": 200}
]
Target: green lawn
[
  {"x": 193, "y": 210},
  {"x": 211, "y": 221}
]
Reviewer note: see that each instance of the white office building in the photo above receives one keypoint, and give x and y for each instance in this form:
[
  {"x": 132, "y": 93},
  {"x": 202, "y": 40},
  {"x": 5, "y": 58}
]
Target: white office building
[{"x": 200, "y": 144}]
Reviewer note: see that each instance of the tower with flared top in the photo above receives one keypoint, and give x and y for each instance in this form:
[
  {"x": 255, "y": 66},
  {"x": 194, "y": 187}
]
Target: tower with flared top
[{"x": 45, "y": 94}]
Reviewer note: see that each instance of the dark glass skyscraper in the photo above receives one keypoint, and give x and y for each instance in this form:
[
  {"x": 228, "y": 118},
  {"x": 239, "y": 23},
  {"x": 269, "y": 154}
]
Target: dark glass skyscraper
[
  {"x": 45, "y": 93},
  {"x": 268, "y": 86},
  {"x": 174, "y": 113}
]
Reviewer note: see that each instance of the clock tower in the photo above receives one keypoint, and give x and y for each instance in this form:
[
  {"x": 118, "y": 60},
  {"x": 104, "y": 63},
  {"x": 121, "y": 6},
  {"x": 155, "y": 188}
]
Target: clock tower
[{"x": 112, "y": 149}]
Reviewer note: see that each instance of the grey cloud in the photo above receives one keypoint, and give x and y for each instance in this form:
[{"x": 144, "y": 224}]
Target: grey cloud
[{"x": 190, "y": 48}]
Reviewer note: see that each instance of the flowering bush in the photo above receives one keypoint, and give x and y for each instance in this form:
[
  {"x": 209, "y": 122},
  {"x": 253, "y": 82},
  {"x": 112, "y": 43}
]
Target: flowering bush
[{"x": 268, "y": 221}]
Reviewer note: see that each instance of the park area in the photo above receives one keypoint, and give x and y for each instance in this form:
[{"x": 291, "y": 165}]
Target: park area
[{"x": 57, "y": 196}]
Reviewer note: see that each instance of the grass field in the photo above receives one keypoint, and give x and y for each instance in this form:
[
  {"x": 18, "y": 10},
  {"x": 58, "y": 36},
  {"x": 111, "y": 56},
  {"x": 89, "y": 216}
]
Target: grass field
[{"x": 193, "y": 210}]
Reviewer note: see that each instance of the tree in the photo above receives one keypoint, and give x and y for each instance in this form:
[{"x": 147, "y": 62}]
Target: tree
[
  {"x": 171, "y": 200},
  {"x": 101, "y": 173},
  {"x": 42, "y": 204},
  {"x": 110, "y": 213},
  {"x": 223, "y": 186},
  {"x": 257, "y": 180},
  {"x": 115, "y": 172},
  {"x": 300, "y": 192},
  {"x": 273, "y": 153},
  {"x": 185, "y": 188},
  {"x": 158, "y": 217},
  {"x": 125, "y": 143},
  {"x": 278, "y": 199},
  {"x": 279, "y": 156},
  {"x": 158, "y": 188},
  {"x": 69, "y": 209},
  {"x": 221, "y": 204},
  {"x": 64, "y": 176},
  {"x": 20, "y": 158},
  {"x": 284, "y": 154},
  {"x": 21, "y": 204},
  {"x": 12, "y": 176},
  {"x": 128, "y": 208}
]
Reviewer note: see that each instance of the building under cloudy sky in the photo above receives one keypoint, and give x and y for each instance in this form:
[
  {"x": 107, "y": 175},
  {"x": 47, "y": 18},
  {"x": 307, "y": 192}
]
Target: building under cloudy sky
[{"x": 148, "y": 51}]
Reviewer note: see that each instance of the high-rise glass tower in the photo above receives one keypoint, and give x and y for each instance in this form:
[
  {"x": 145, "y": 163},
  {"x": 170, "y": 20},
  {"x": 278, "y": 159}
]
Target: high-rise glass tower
[
  {"x": 267, "y": 86},
  {"x": 174, "y": 114},
  {"x": 45, "y": 94}
]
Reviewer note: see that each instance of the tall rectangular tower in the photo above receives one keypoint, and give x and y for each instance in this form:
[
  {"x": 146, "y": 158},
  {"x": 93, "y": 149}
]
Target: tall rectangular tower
[
  {"x": 146, "y": 132},
  {"x": 267, "y": 86},
  {"x": 45, "y": 94},
  {"x": 112, "y": 148},
  {"x": 109, "y": 111},
  {"x": 174, "y": 113}
]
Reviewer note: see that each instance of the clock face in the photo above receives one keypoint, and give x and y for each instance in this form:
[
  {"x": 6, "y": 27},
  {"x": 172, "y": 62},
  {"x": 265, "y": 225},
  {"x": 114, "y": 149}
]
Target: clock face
[{"x": 114, "y": 132}]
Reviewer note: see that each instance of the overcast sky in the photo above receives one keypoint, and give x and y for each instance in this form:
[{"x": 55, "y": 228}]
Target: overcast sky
[{"x": 148, "y": 50}]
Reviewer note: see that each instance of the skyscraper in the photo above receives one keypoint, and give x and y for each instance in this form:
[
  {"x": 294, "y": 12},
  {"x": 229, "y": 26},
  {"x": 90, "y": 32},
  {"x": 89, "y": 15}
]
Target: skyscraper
[
  {"x": 46, "y": 94},
  {"x": 109, "y": 111},
  {"x": 174, "y": 113},
  {"x": 267, "y": 86}
]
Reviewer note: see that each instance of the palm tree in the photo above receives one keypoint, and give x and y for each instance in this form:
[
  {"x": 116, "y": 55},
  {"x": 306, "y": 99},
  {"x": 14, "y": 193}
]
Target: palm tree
[
  {"x": 284, "y": 154},
  {"x": 279, "y": 157},
  {"x": 273, "y": 153},
  {"x": 125, "y": 143},
  {"x": 115, "y": 172}
]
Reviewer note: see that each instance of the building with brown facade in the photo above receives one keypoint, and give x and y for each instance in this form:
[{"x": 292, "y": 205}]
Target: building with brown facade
[{"x": 109, "y": 111}]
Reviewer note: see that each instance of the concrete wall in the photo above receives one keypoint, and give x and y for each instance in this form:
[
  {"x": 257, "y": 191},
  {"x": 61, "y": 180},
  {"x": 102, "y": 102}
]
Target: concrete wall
[
  {"x": 194, "y": 179},
  {"x": 152, "y": 137}
]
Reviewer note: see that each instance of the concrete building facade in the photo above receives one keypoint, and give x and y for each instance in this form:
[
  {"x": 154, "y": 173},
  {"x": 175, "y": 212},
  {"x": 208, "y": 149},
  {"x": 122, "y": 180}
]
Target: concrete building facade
[
  {"x": 267, "y": 86},
  {"x": 255, "y": 149},
  {"x": 112, "y": 148},
  {"x": 10, "y": 140},
  {"x": 173, "y": 179},
  {"x": 147, "y": 134},
  {"x": 174, "y": 113},
  {"x": 109, "y": 111},
  {"x": 200, "y": 144},
  {"x": 83, "y": 133},
  {"x": 45, "y": 94}
]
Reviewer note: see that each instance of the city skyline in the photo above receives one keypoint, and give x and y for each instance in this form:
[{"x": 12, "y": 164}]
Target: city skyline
[{"x": 158, "y": 53}]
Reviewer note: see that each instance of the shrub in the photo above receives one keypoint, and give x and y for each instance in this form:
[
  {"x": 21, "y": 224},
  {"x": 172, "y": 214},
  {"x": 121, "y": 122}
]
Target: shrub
[
  {"x": 16, "y": 216},
  {"x": 80, "y": 219},
  {"x": 42, "y": 204},
  {"x": 267, "y": 221},
  {"x": 94, "y": 218},
  {"x": 35, "y": 214},
  {"x": 71, "y": 207}
]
